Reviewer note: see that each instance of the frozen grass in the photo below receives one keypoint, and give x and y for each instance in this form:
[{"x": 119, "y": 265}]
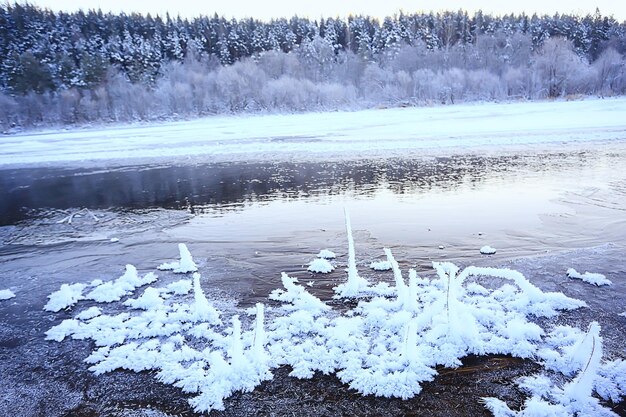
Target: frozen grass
[{"x": 387, "y": 344}]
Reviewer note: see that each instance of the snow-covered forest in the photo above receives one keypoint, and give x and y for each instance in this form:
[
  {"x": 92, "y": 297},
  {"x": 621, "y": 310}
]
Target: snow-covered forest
[{"x": 74, "y": 68}]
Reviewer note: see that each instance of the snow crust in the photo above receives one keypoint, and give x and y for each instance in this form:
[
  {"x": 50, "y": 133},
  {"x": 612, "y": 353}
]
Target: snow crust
[
  {"x": 6, "y": 294},
  {"x": 388, "y": 344},
  {"x": 590, "y": 277},
  {"x": 464, "y": 126}
]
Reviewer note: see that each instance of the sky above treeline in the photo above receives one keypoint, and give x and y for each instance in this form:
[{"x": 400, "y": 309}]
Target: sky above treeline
[{"x": 269, "y": 9}]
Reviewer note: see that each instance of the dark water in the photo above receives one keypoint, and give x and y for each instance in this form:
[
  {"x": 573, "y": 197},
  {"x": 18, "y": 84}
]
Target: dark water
[{"x": 217, "y": 187}]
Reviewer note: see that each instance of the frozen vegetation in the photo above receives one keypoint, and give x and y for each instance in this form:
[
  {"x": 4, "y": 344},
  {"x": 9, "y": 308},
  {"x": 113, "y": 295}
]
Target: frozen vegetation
[
  {"x": 590, "y": 277},
  {"x": 386, "y": 344},
  {"x": 6, "y": 294}
]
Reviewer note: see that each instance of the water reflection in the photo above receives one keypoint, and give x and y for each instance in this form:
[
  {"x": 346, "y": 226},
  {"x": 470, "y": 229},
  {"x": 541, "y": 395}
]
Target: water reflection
[{"x": 221, "y": 187}]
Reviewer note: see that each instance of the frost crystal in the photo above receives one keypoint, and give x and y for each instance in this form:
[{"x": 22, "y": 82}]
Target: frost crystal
[
  {"x": 321, "y": 266},
  {"x": 110, "y": 291},
  {"x": 65, "y": 297},
  {"x": 590, "y": 277},
  {"x": 380, "y": 266},
  {"x": 388, "y": 345},
  {"x": 355, "y": 283},
  {"x": 184, "y": 265}
]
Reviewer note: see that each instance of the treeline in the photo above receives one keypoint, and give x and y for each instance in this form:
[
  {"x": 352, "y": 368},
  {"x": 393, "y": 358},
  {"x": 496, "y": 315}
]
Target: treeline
[{"x": 60, "y": 68}]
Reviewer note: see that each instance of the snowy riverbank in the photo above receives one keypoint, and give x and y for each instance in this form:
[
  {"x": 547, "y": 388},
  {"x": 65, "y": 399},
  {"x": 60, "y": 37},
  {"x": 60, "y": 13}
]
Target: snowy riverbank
[{"x": 430, "y": 130}]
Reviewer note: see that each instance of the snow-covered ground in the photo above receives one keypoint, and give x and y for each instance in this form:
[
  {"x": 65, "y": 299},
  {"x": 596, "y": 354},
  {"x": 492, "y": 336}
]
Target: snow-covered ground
[{"x": 370, "y": 132}]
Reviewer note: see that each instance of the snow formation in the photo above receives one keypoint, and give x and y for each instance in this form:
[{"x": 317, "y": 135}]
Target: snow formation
[
  {"x": 320, "y": 265},
  {"x": 387, "y": 345},
  {"x": 355, "y": 283},
  {"x": 65, "y": 297},
  {"x": 182, "y": 266},
  {"x": 577, "y": 357},
  {"x": 590, "y": 277},
  {"x": 380, "y": 266}
]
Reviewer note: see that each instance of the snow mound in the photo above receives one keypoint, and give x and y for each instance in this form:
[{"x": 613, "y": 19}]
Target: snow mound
[
  {"x": 590, "y": 277},
  {"x": 326, "y": 254},
  {"x": 321, "y": 266},
  {"x": 182, "y": 266},
  {"x": 487, "y": 250},
  {"x": 6, "y": 294}
]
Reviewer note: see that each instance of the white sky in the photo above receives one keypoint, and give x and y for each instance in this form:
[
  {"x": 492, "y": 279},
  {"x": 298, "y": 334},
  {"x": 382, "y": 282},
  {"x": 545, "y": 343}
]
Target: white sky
[{"x": 267, "y": 9}]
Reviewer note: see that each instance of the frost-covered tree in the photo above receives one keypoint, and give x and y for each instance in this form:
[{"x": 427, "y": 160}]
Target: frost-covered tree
[
  {"x": 92, "y": 66},
  {"x": 557, "y": 68}
]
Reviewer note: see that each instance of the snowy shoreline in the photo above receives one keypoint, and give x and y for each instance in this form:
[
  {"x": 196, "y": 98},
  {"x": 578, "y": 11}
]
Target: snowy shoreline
[{"x": 432, "y": 130}]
